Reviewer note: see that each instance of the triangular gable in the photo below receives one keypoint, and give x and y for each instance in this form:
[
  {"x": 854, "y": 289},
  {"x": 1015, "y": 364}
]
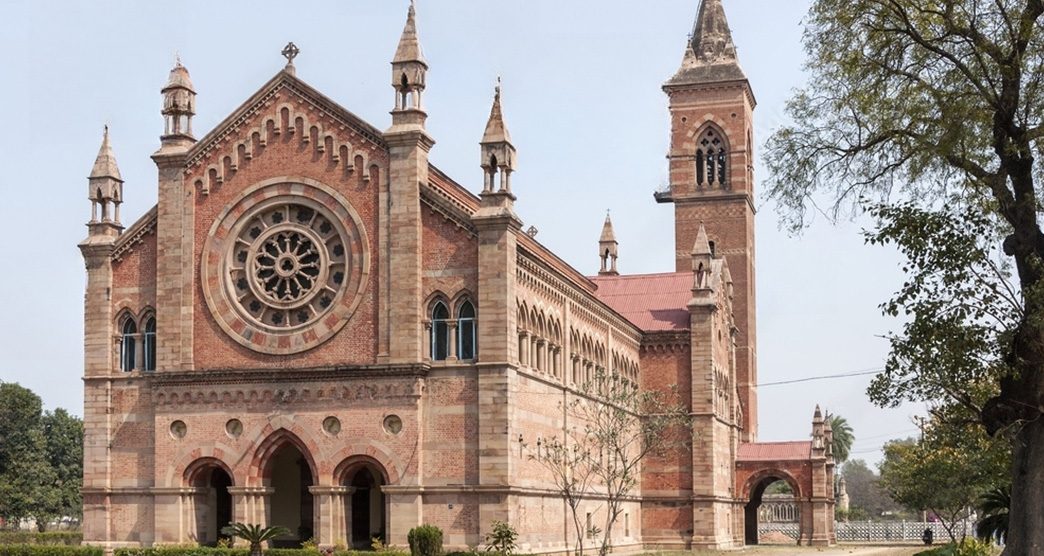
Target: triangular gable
[
  {"x": 253, "y": 113},
  {"x": 135, "y": 234}
]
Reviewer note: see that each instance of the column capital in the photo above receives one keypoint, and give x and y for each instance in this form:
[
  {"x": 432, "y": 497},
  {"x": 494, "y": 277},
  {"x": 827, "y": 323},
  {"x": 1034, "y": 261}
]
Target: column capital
[{"x": 262, "y": 491}]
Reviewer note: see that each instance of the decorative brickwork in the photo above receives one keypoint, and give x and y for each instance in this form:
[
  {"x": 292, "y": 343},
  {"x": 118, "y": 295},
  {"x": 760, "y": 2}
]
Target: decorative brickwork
[{"x": 317, "y": 328}]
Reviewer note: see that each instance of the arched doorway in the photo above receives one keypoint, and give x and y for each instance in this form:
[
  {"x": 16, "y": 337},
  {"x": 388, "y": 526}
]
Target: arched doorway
[
  {"x": 213, "y": 502},
  {"x": 366, "y": 513},
  {"x": 751, "y": 511},
  {"x": 289, "y": 475}
]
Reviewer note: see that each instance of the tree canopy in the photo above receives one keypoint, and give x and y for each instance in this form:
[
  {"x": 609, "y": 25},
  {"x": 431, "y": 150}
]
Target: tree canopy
[
  {"x": 843, "y": 437},
  {"x": 930, "y": 116},
  {"x": 41, "y": 458}
]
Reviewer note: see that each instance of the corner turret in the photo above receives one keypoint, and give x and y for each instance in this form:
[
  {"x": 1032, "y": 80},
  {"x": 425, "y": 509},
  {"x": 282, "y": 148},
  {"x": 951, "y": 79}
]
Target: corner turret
[
  {"x": 409, "y": 74},
  {"x": 608, "y": 249},
  {"x": 179, "y": 105},
  {"x": 498, "y": 153},
  {"x": 105, "y": 190}
]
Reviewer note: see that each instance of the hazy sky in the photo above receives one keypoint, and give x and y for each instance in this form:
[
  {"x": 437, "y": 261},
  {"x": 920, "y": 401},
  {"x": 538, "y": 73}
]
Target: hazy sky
[{"x": 581, "y": 96}]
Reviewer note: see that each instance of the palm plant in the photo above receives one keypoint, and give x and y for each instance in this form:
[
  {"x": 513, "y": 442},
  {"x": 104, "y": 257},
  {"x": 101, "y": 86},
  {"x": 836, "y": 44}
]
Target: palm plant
[
  {"x": 843, "y": 437},
  {"x": 254, "y": 534},
  {"x": 994, "y": 506}
]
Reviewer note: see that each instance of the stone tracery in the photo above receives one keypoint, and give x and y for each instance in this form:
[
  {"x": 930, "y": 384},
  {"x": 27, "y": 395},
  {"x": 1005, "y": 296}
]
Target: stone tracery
[{"x": 285, "y": 266}]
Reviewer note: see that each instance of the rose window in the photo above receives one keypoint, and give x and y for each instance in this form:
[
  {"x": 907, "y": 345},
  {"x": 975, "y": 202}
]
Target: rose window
[{"x": 289, "y": 268}]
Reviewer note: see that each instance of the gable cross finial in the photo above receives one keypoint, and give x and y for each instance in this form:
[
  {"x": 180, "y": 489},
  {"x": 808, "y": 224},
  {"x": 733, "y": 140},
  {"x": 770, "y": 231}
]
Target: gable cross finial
[{"x": 290, "y": 52}]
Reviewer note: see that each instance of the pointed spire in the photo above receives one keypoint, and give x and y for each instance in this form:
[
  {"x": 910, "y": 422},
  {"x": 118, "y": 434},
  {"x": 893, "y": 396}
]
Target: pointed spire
[
  {"x": 818, "y": 415},
  {"x": 496, "y": 129},
  {"x": 105, "y": 164},
  {"x": 608, "y": 248},
  {"x": 711, "y": 37},
  {"x": 607, "y": 231},
  {"x": 409, "y": 49},
  {"x": 497, "y": 152},
  {"x": 710, "y": 55},
  {"x": 702, "y": 244},
  {"x": 179, "y": 76}
]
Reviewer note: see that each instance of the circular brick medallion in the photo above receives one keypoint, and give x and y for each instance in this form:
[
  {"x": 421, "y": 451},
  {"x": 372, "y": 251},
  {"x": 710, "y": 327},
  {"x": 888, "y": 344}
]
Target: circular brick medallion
[
  {"x": 178, "y": 429},
  {"x": 332, "y": 425},
  {"x": 393, "y": 424},
  {"x": 285, "y": 266},
  {"x": 234, "y": 428}
]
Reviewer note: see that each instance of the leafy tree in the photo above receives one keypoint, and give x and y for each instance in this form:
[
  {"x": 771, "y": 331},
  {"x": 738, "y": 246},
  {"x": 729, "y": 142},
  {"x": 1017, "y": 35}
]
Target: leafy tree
[
  {"x": 866, "y": 497},
  {"x": 993, "y": 509},
  {"x": 942, "y": 473},
  {"x": 618, "y": 426},
  {"x": 63, "y": 439},
  {"x": 843, "y": 437},
  {"x": 26, "y": 478},
  {"x": 253, "y": 534},
  {"x": 930, "y": 114}
]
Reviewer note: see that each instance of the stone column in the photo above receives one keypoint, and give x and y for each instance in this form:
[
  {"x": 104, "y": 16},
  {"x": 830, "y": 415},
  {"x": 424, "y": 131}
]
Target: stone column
[
  {"x": 251, "y": 504},
  {"x": 451, "y": 328},
  {"x": 331, "y": 503},
  {"x": 175, "y": 515}
]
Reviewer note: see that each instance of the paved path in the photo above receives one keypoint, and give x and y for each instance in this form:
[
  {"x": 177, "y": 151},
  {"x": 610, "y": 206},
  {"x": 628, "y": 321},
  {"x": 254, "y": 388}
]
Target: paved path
[{"x": 842, "y": 550}]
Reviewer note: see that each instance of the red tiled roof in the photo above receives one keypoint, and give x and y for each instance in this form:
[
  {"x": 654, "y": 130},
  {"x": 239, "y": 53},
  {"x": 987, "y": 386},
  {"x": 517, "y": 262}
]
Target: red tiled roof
[
  {"x": 775, "y": 451},
  {"x": 653, "y": 302}
]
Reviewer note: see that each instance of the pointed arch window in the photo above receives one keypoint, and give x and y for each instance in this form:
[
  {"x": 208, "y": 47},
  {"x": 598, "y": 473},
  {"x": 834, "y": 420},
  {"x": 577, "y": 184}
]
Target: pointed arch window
[
  {"x": 711, "y": 160},
  {"x": 439, "y": 331},
  {"x": 149, "y": 344},
  {"x": 128, "y": 341},
  {"x": 466, "y": 331}
]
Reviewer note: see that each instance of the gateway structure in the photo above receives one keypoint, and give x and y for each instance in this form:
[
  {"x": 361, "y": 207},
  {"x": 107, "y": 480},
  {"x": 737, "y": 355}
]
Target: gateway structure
[{"x": 316, "y": 328}]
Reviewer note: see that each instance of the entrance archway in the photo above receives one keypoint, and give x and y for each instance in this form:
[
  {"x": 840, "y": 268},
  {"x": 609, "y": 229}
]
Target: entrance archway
[
  {"x": 289, "y": 475},
  {"x": 751, "y": 512},
  {"x": 366, "y": 511},
  {"x": 213, "y": 503}
]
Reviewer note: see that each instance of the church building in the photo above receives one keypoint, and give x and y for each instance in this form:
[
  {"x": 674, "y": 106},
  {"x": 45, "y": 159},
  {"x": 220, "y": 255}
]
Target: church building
[{"x": 317, "y": 328}]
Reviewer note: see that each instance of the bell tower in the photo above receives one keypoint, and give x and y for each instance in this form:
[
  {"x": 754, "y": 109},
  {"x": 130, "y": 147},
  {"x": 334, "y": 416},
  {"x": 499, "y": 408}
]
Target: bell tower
[{"x": 712, "y": 179}]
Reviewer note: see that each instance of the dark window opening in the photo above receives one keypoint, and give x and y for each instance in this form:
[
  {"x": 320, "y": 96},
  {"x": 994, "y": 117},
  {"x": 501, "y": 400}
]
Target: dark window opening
[
  {"x": 149, "y": 344},
  {"x": 466, "y": 331},
  {"x": 127, "y": 345},
  {"x": 439, "y": 332}
]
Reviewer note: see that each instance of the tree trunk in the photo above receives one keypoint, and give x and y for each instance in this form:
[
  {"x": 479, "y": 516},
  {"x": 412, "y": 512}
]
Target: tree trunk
[{"x": 1025, "y": 532}]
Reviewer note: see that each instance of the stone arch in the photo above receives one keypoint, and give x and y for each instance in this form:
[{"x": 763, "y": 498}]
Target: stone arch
[
  {"x": 460, "y": 297},
  {"x": 776, "y": 473},
  {"x": 354, "y": 453},
  {"x": 752, "y": 492},
  {"x": 260, "y": 464},
  {"x": 366, "y": 509},
  {"x": 209, "y": 481},
  {"x": 189, "y": 461}
]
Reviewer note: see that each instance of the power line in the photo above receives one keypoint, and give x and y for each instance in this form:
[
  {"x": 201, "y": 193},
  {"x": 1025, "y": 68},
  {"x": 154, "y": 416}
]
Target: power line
[{"x": 823, "y": 377}]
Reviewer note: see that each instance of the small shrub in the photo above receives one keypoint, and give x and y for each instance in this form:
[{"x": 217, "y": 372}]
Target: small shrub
[
  {"x": 967, "y": 547},
  {"x": 502, "y": 540},
  {"x": 425, "y": 540},
  {"x": 71, "y": 538},
  {"x": 49, "y": 550}
]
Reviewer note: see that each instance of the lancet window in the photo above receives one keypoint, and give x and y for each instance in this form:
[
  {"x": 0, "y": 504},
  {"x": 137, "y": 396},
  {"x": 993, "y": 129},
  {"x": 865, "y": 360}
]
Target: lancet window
[
  {"x": 128, "y": 344},
  {"x": 452, "y": 330},
  {"x": 711, "y": 160}
]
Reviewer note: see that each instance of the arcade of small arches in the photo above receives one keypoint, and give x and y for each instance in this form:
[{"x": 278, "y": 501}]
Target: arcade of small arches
[
  {"x": 539, "y": 341},
  {"x": 451, "y": 329},
  {"x": 136, "y": 340},
  {"x": 541, "y": 349},
  {"x": 284, "y": 487}
]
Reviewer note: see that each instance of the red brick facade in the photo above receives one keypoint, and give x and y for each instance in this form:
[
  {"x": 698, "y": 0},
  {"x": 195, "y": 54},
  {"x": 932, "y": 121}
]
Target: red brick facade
[{"x": 349, "y": 341}]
